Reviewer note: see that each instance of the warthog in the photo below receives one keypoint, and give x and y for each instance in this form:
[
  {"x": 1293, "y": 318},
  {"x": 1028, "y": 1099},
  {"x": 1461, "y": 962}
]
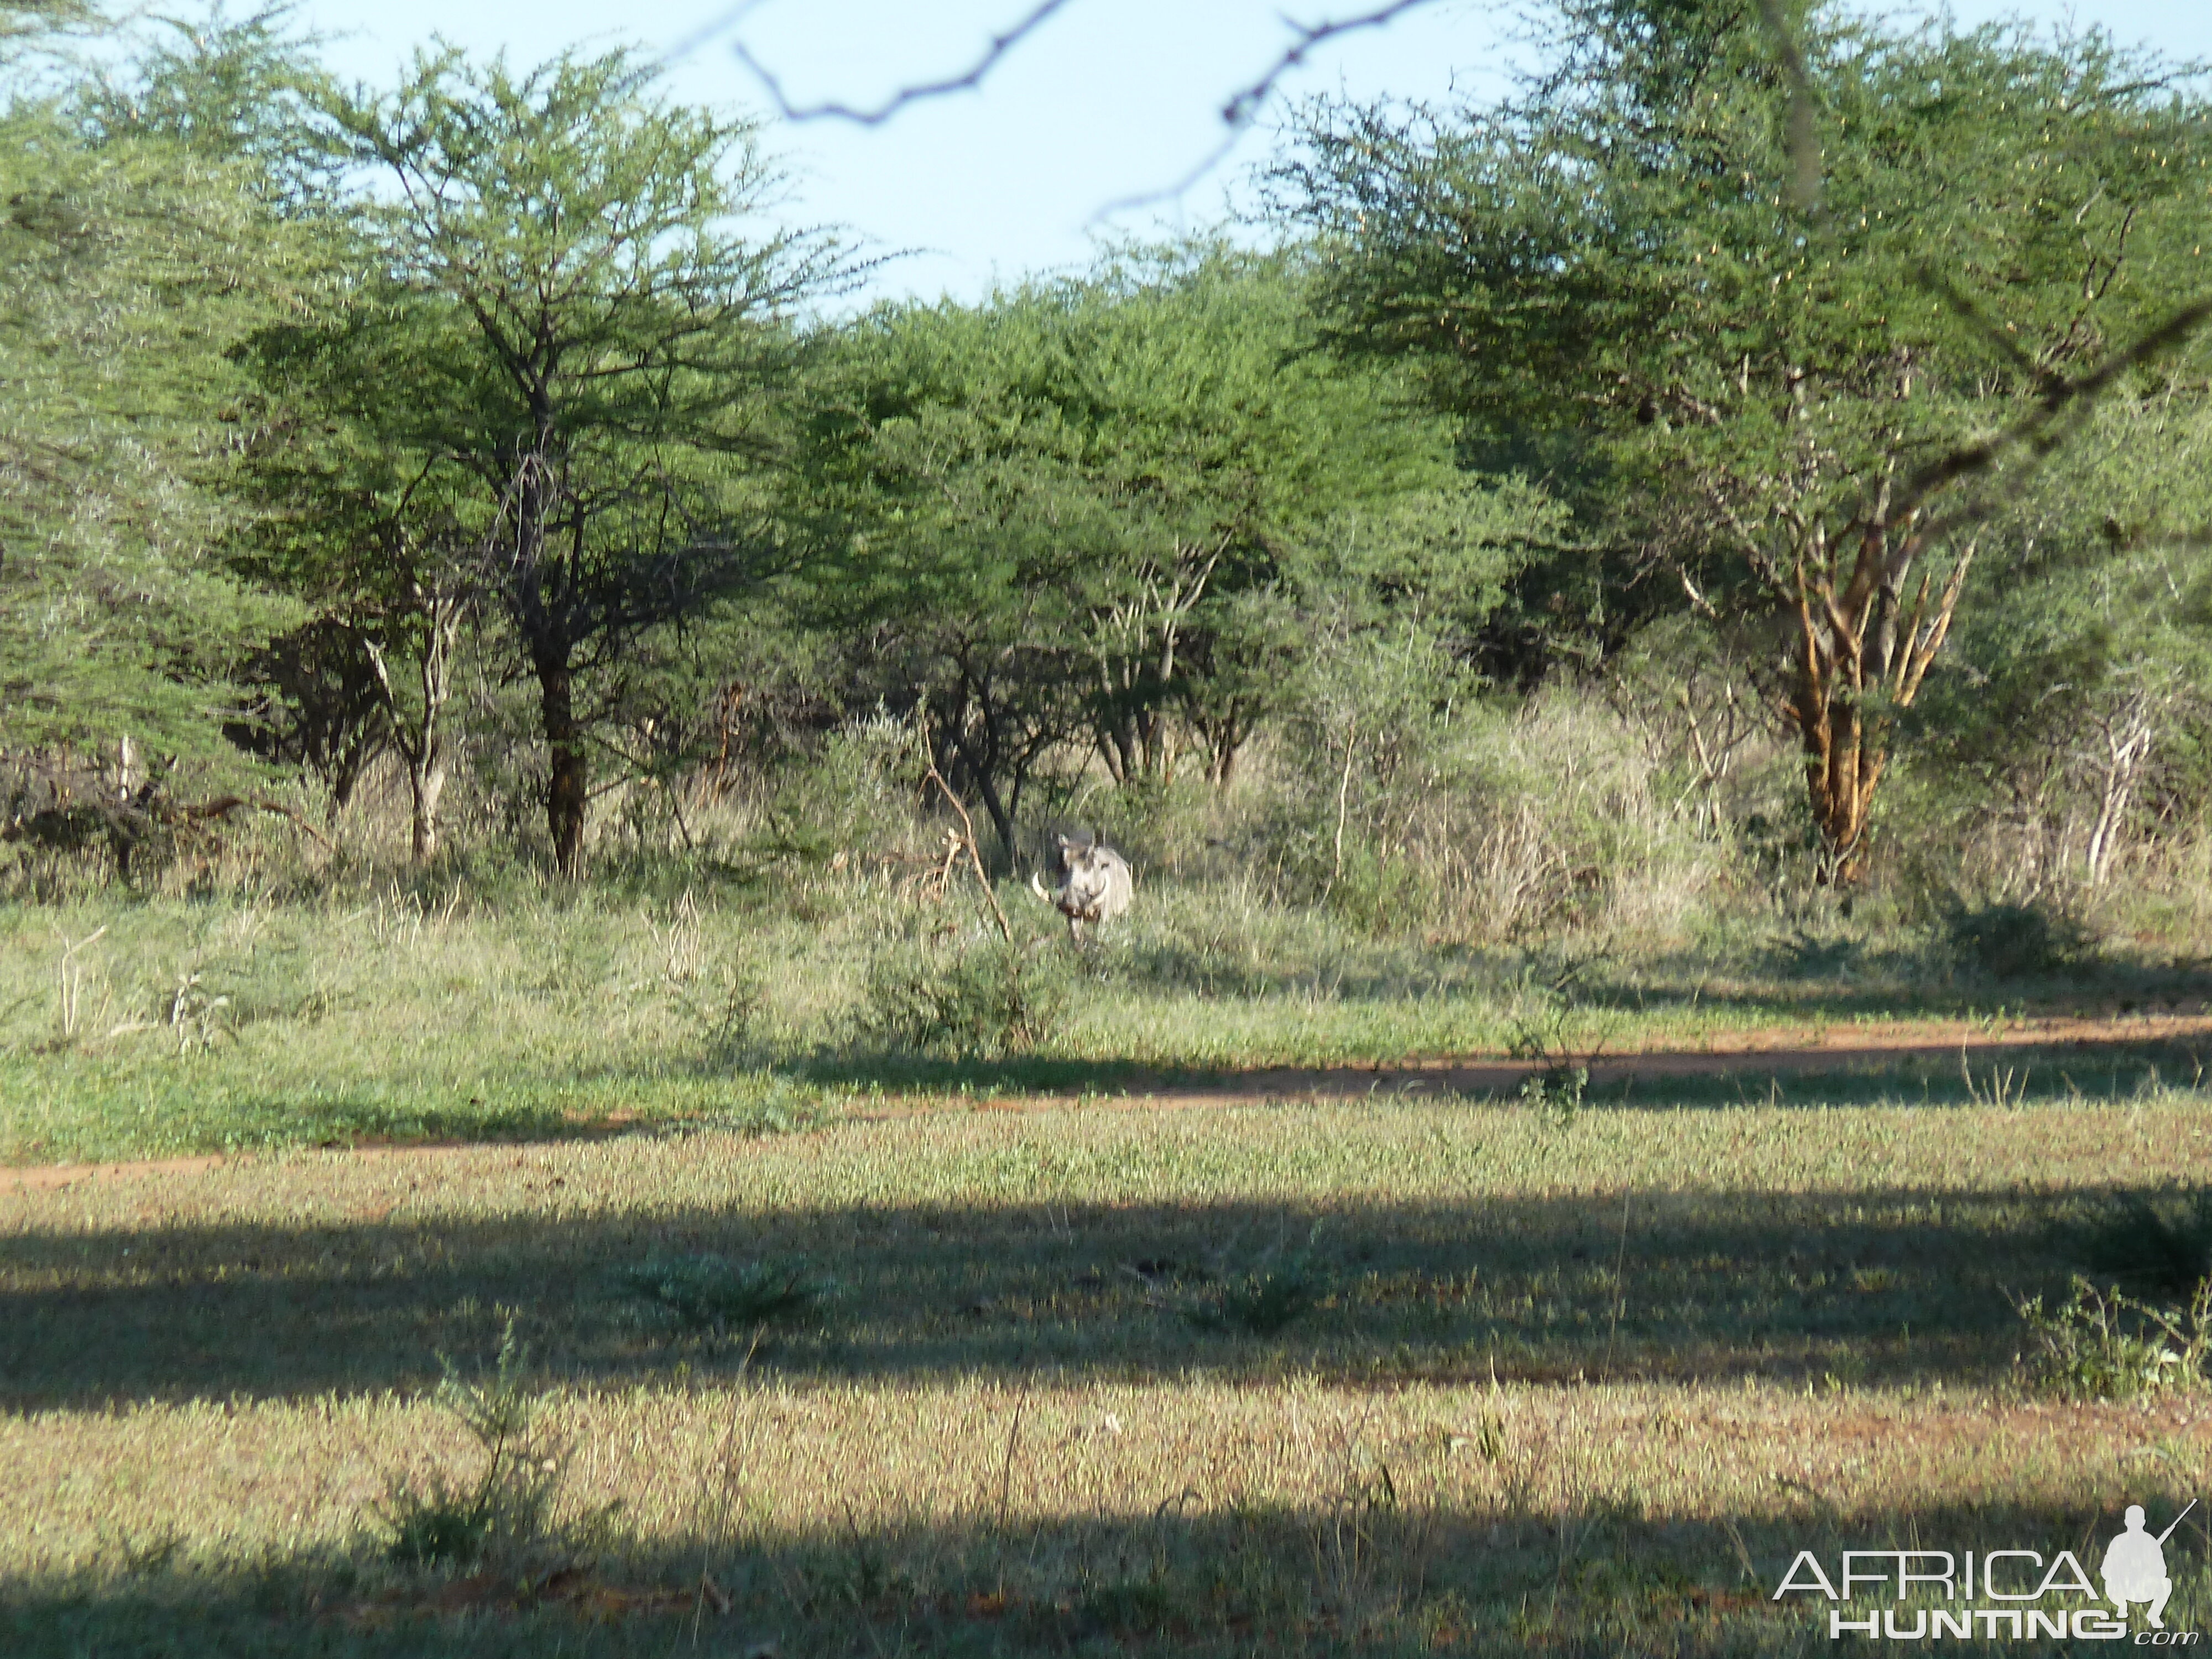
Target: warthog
[{"x": 1095, "y": 885}]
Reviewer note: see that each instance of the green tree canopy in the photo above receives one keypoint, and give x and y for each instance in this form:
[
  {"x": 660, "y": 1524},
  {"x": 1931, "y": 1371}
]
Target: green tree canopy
[
  {"x": 566, "y": 311},
  {"x": 131, "y": 262},
  {"x": 1060, "y": 505},
  {"x": 1781, "y": 388}
]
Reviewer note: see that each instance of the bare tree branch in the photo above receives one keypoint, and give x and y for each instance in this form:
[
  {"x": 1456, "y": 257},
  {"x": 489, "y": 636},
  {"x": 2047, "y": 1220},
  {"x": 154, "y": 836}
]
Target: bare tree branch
[
  {"x": 1238, "y": 114},
  {"x": 877, "y": 114},
  {"x": 1964, "y": 307},
  {"x": 1239, "y": 110},
  {"x": 1144, "y": 199},
  {"x": 721, "y": 24},
  {"x": 2058, "y": 406},
  {"x": 1244, "y": 106},
  {"x": 1804, "y": 136},
  {"x": 968, "y": 842}
]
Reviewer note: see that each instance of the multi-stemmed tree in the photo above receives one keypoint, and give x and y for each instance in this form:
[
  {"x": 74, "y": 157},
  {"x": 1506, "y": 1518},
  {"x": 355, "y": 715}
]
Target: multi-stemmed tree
[{"x": 1065, "y": 509}]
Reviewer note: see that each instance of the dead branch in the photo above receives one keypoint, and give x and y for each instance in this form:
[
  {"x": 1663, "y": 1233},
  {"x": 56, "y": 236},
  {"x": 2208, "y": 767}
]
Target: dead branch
[
  {"x": 975, "y": 858},
  {"x": 1804, "y": 136},
  {"x": 2039, "y": 433},
  {"x": 1239, "y": 110},
  {"x": 875, "y": 115},
  {"x": 1237, "y": 113},
  {"x": 1244, "y": 106}
]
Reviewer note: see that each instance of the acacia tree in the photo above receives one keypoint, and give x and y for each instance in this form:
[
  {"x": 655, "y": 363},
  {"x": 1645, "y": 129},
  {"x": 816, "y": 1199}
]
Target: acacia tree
[
  {"x": 369, "y": 536},
  {"x": 134, "y": 253},
  {"x": 1214, "y": 432},
  {"x": 962, "y": 524},
  {"x": 1063, "y": 505},
  {"x": 590, "y": 338},
  {"x": 2075, "y": 708},
  {"x": 1792, "y": 390}
]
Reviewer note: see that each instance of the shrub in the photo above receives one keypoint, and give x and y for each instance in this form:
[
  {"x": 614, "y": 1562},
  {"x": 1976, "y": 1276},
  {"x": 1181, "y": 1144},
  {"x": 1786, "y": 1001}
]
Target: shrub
[
  {"x": 457, "y": 1523},
  {"x": 1558, "y": 1091},
  {"x": 1551, "y": 1024},
  {"x": 852, "y": 797},
  {"x": 1265, "y": 1303},
  {"x": 2103, "y": 1344},
  {"x": 2018, "y": 941},
  {"x": 986, "y": 999},
  {"x": 2160, "y": 1242}
]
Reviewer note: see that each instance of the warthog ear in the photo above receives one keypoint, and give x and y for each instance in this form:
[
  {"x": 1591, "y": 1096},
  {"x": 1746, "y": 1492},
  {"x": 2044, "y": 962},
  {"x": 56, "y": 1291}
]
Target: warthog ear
[{"x": 1064, "y": 843}]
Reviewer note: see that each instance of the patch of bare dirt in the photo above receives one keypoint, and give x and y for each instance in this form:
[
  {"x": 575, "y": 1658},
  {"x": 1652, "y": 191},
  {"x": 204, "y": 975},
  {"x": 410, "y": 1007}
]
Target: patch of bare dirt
[{"x": 52, "y": 1177}]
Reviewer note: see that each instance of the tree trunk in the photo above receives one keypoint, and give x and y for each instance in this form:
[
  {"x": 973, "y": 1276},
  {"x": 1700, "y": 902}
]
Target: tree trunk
[
  {"x": 567, "y": 787},
  {"x": 1224, "y": 737},
  {"x": 421, "y": 739},
  {"x": 2127, "y": 733},
  {"x": 426, "y": 782},
  {"x": 994, "y": 803},
  {"x": 1857, "y": 655}
]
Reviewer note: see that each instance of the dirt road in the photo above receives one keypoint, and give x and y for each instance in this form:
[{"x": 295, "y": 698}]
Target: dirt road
[{"x": 1751, "y": 1056}]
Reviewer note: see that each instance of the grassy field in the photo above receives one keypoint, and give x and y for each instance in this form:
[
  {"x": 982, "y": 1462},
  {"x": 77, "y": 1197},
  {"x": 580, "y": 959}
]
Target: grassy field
[
  {"x": 805, "y": 1353},
  {"x": 155, "y": 1027},
  {"x": 1394, "y": 1376}
]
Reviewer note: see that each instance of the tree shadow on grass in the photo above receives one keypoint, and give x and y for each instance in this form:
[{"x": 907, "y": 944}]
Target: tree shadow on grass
[
  {"x": 1881, "y": 1283},
  {"x": 1794, "y": 975},
  {"x": 1360, "y": 1568},
  {"x": 2116, "y": 1067},
  {"x": 1838, "y": 981}
]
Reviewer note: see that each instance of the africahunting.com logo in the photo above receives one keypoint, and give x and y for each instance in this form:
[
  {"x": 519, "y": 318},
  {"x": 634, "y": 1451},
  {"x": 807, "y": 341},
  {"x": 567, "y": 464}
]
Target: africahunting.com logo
[{"x": 2001, "y": 1594}]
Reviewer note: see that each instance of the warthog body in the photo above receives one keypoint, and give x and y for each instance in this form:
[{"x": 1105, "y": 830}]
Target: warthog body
[{"x": 1095, "y": 885}]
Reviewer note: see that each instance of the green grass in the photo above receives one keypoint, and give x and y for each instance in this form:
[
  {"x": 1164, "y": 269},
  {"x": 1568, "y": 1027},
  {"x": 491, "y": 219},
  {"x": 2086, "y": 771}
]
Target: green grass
[
  {"x": 222, "y": 1023},
  {"x": 1407, "y": 1373},
  {"x": 1585, "y": 1387}
]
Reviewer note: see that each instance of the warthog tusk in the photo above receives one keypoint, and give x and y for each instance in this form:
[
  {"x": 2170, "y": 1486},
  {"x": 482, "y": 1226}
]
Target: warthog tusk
[{"x": 1037, "y": 887}]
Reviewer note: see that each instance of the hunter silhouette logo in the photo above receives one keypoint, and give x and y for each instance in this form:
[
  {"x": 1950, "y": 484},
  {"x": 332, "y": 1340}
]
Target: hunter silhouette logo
[
  {"x": 1998, "y": 1595},
  {"x": 2135, "y": 1566}
]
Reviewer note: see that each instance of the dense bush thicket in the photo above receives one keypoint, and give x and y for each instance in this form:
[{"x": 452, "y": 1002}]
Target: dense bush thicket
[{"x": 1648, "y": 494}]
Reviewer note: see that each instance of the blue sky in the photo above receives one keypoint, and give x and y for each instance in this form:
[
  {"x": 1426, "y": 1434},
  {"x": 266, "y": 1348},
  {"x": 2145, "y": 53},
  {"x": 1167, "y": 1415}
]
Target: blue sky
[{"x": 1109, "y": 100}]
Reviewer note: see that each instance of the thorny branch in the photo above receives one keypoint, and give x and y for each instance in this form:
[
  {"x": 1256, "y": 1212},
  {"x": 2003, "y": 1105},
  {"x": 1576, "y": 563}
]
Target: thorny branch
[
  {"x": 1245, "y": 104},
  {"x": 1237, "y": 113},
  {"x": 1239, "y": 110},
  {"x": 1804, "y": 137}
]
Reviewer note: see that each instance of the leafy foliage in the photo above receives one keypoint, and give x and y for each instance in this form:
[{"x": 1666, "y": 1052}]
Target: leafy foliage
[
  {"x": 129, "y": 264},
  {"x": 1777, "y": 387},
  {"x": 444, "y": 1523},
  {"x": 985, "y": 998},
  {"x": 1079, "y": 514},
  {"x": 2104, "y": 1345},
  {"x": 1265, "y": 1301},
  {"x": 571, "y": 347},
  {"x": 483, "y": 427},
  {"x": 2012, "y": 941}
]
